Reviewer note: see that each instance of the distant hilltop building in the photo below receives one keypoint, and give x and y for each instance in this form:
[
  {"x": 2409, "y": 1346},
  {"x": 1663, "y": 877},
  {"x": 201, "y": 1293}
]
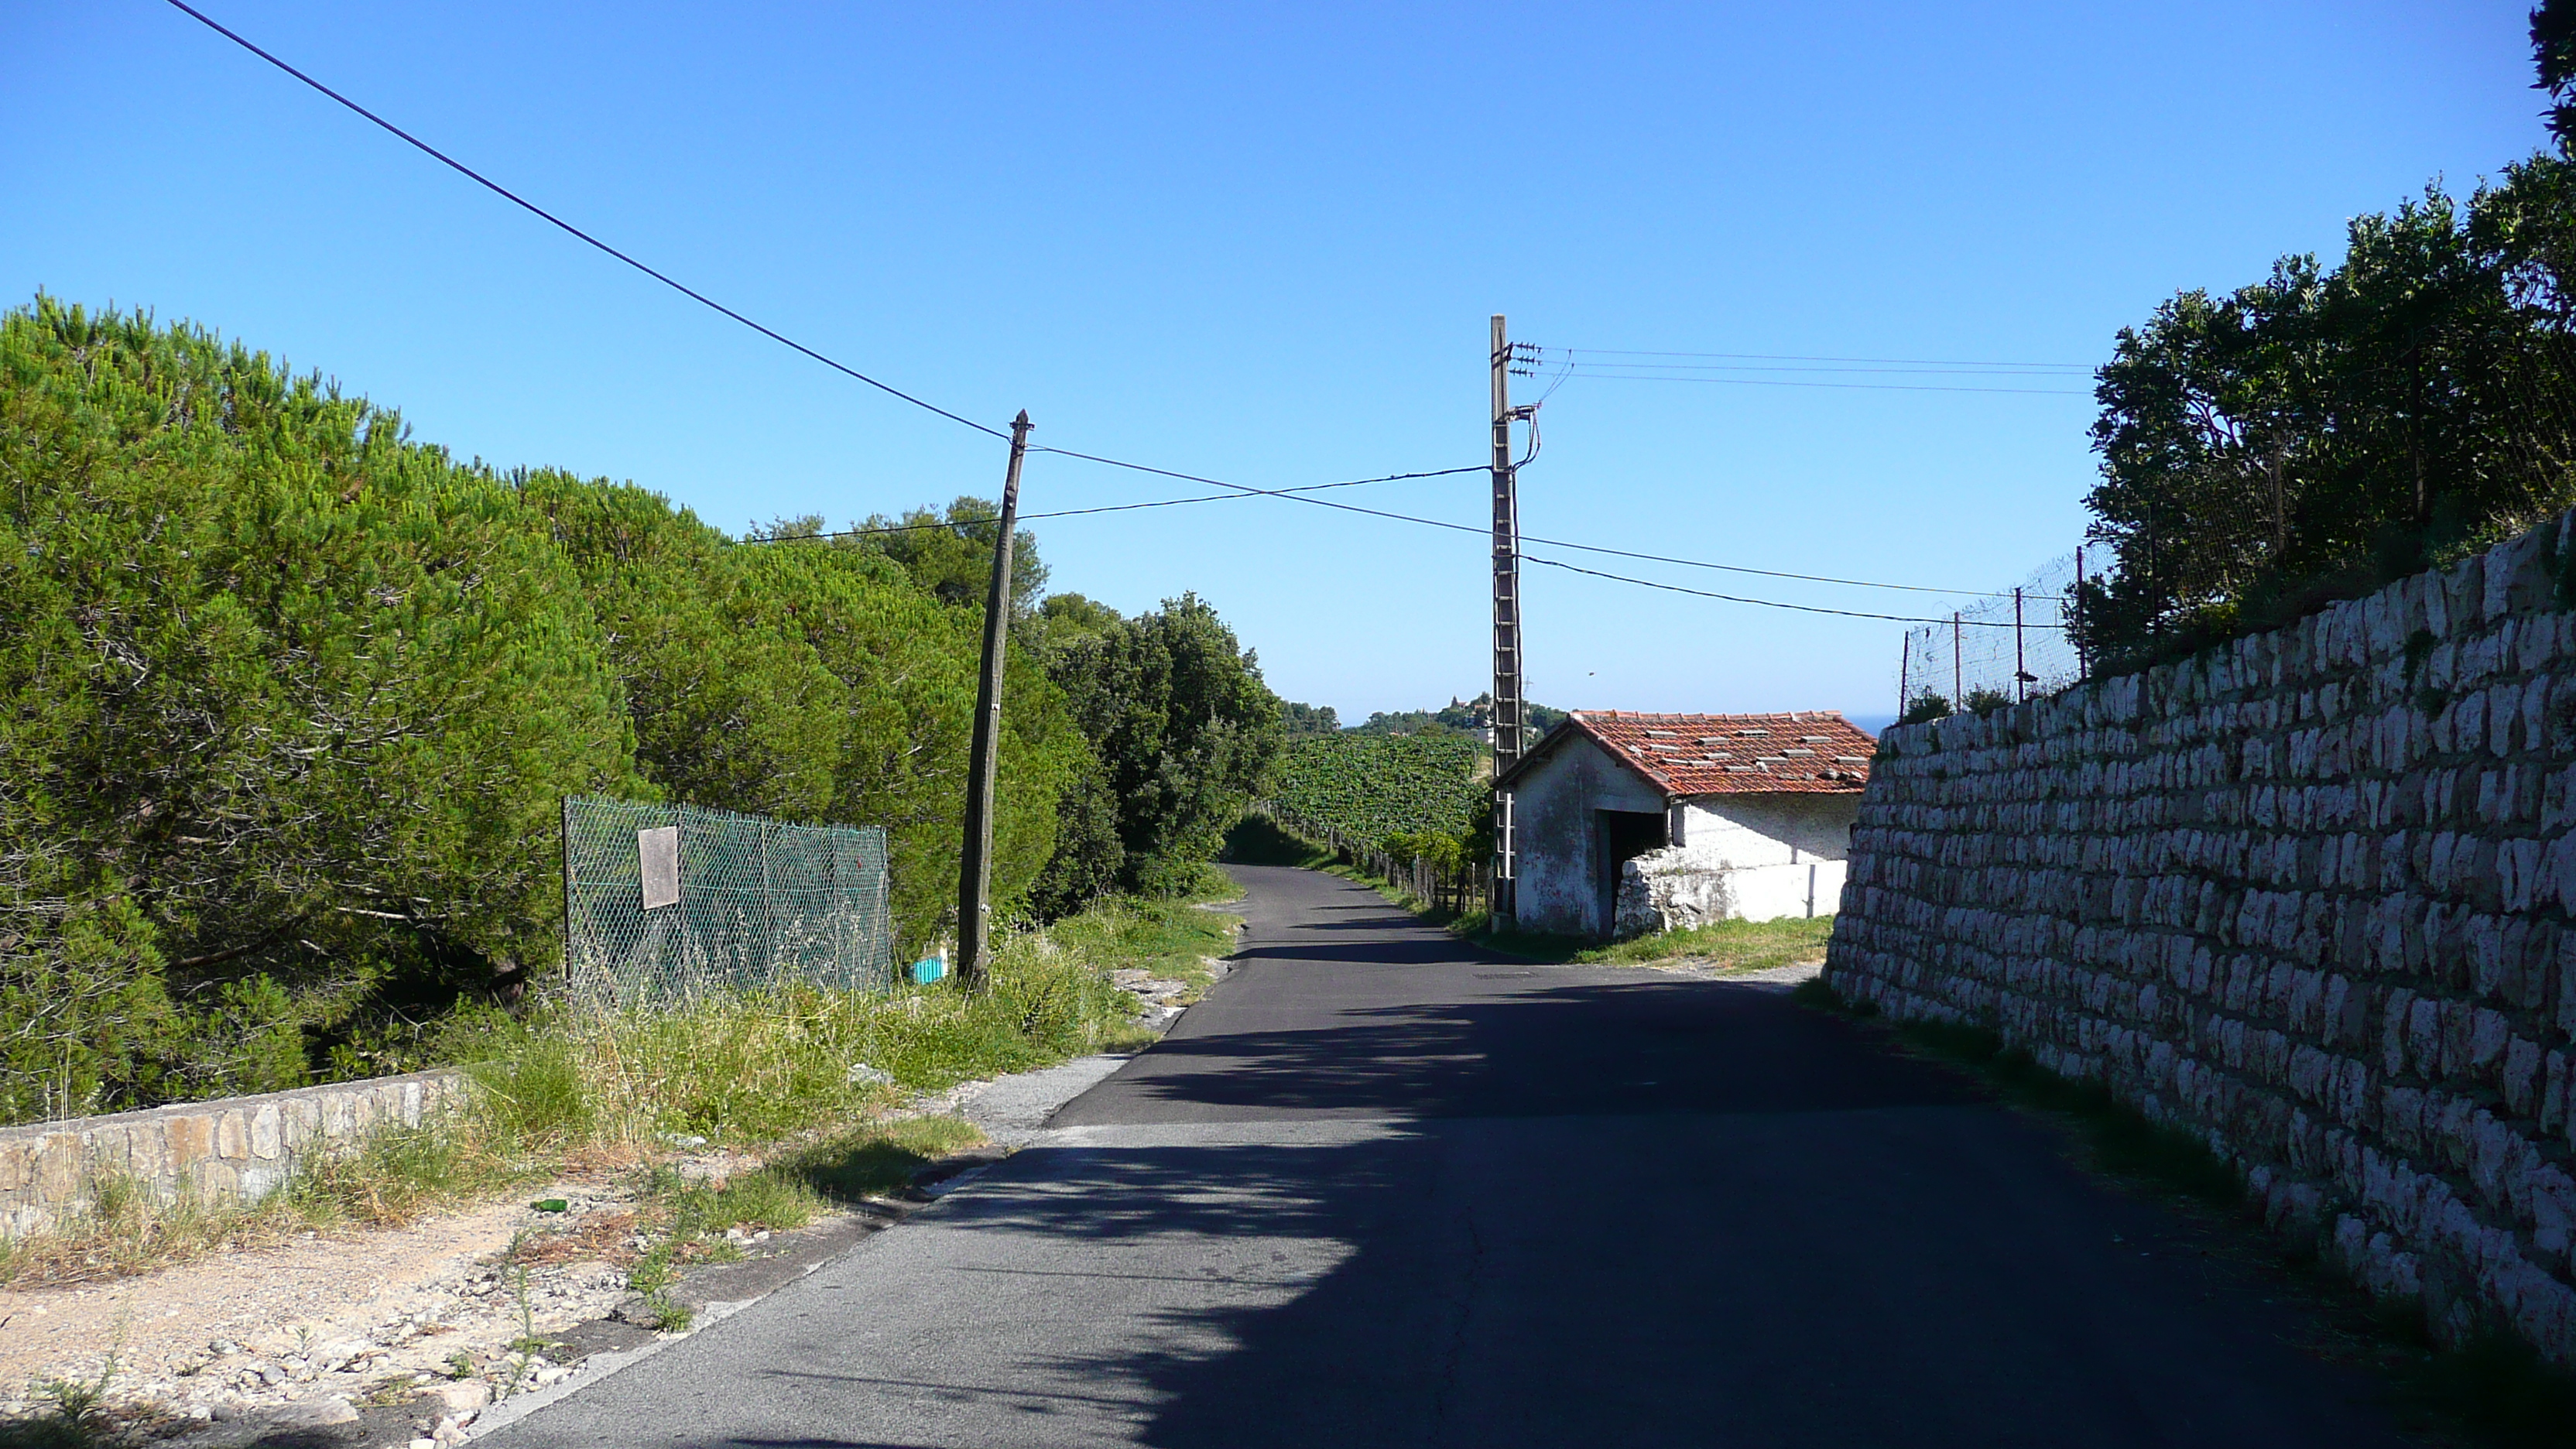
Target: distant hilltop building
[{"x": 1626, "y": 824}]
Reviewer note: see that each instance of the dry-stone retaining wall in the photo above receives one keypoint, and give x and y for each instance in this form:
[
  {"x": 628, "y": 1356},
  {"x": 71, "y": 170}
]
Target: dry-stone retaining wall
[
  {"x": 234, "y": 1150},
  {"x": 2308, "y": 896}
]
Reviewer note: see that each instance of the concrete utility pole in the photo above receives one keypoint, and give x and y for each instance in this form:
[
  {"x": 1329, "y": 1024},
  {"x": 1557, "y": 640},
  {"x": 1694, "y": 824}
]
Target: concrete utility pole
[
  {"x": 1507, "y": 622},
  {"x": 975, "y": 872}
]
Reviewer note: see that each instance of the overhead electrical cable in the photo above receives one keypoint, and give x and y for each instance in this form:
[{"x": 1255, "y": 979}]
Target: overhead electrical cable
[
  {"x": 1582, "y": 372},
  {"x": 1779, "y": 574},
  {"x": 1108, "y": 508},
  {"x": 540, "y": 212},
  {"x": 1713, "y": 367},
  {"x": 1294, "y": 494},
  {"x": 1556, "y": 563},
  {"x": 2072, "y": 367},
  {"x": 1246, "y": 490},
  {"x": 1666, "y": 369}
]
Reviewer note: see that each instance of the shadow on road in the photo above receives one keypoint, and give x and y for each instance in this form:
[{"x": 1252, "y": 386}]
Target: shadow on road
[
  {"x": 1653, "y": 1046},
  {"x": 1888, "y": 1275}
]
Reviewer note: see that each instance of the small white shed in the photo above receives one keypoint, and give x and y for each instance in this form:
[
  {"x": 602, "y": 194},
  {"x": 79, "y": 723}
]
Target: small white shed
[{"x": 1625, "y": 823}]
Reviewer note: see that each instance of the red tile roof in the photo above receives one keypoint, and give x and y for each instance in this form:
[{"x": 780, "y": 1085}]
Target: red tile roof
[{"x": 1809, "y": 752}]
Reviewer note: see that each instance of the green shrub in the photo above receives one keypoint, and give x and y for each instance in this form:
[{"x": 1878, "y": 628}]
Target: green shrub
[
  {"x": 298, "y": 696},
  {"x": 907, "y": 664},
  {"x": 1182, "y": 729}
]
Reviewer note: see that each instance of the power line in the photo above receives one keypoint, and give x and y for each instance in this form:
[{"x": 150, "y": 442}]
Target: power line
[
  {"x": 1667, "y": 368},
  {"x": 1634, "y": 366},
  {"x": 2083, "y": 367},
  {"x": 1107, "y": 508},
  {"x": 1776, "y": 573},
  {"x": 1555, "y": 563},
  {"x": 1865, "y": 386},
  {"x": 540, "y": 212},
  {"x": 1293, "y": 495},
  {"x": 535, "y": 210}
]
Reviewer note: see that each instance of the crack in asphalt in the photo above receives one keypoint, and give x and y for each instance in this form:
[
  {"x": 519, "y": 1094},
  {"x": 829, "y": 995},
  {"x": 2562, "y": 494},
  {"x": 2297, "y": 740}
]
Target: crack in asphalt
[{"x": 1465, "y": 1304}]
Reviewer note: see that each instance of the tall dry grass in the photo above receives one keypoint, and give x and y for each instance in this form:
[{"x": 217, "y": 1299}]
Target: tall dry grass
[{"x": 805, "y": 1076}]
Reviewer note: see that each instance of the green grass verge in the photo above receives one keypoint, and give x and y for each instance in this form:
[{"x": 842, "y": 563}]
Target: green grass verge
[
  {"x": 1726, "y": 945},
  {"x": 787, "y": 1074},
  {"x": 2494, "y": 1390}
]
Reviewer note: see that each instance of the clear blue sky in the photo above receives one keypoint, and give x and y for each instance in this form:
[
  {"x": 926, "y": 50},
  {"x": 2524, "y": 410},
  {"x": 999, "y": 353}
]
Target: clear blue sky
[{"x": 1262, "y": 243}]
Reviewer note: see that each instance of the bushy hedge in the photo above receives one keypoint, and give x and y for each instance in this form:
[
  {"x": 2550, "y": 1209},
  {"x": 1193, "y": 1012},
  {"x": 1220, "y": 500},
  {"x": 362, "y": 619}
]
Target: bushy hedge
[{"x": 288, "y": 702}]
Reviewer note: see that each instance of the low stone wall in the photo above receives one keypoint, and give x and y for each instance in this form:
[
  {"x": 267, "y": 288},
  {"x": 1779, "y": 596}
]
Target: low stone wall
[
  {"x": 238, "y": 1149},
  {"x": 2307, "y": 896}
]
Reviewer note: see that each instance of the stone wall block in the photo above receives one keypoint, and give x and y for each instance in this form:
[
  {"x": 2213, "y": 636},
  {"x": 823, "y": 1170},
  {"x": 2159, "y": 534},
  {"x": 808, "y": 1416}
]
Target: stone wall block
[
  {"x": 2464, "y": 591},
  {"x": 2384, "y": 619},
  {"x": 191, "y": 1138},
  {"x": 2558, "y": 737},
  {"x": 2489, "y": 1032},
  {"x": 2518, "y": 575},
  {"x": 267, "y": 1132}
]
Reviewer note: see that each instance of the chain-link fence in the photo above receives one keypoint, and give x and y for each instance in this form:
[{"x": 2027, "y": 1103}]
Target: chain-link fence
[
  {"x": 2009, "y": 646},
  {"x": 662, "y": 902}
]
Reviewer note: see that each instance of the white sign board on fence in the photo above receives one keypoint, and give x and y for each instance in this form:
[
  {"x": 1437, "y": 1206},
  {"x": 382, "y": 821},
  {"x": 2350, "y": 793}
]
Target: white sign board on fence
[{"x": 659, "y": 852}]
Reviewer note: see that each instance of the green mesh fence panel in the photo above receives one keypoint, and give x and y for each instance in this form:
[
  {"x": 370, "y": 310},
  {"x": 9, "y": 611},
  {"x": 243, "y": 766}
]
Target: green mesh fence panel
[{"x": 662, "y": 902}]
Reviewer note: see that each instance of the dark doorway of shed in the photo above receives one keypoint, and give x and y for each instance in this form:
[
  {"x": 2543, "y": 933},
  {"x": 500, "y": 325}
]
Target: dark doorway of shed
[{"x": 1620, "y": 836}]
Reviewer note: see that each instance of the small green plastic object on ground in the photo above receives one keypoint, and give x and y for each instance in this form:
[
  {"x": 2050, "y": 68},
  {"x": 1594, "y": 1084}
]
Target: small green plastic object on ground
[{"x": 551, "y": 1205}]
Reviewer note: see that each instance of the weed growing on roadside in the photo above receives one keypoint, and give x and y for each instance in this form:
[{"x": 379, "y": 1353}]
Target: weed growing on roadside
[
  {"x": 75, "y": 1414},
  {"x": 876, "y": 1160},
  {"x": 527, "y": 1342},
  {"x": 777, "y": 1066}
]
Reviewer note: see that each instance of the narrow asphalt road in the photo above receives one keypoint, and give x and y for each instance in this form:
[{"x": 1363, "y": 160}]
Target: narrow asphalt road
[{"x": 1383, "y": 1189}]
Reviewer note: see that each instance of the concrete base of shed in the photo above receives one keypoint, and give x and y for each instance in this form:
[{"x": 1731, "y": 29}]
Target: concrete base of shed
[{"x": 1670, "y": 890}]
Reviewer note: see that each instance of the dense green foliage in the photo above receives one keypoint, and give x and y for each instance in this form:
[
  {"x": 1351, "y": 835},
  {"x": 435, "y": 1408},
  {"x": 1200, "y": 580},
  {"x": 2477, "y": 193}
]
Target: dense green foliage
[
  {"x": 288, "y": 703},
  {"x": 907, "y": 666},
  {"x": 1458, "y": 717},
  {"x": 729, "y": 706},
  {"x": 1374, "y": 786},
  {"x": 1182, "y": 731},
  {"x": 286, "y": 706},
  {"x": 951, "y": 554},
  {"x": 2320, "y": 432},
  {"x": 1299, "y": 721}
]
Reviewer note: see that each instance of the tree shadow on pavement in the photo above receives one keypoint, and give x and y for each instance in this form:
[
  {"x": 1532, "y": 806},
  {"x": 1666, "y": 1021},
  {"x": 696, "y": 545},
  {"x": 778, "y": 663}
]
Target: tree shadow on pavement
[
  {"x": 1924, "y": 1275},
  {"x": 1628, "y": 1047}
]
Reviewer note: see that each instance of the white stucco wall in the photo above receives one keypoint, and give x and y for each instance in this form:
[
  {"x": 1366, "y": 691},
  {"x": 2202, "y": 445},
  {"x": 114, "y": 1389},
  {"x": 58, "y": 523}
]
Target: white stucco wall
[
  {"x": 1552, "y": 824},
  {"x": 1746, "y": 830}
]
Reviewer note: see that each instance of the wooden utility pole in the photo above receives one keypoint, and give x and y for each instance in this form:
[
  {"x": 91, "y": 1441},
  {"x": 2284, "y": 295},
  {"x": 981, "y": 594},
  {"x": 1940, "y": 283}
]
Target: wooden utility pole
[
  {"x": 975, "y": 872},
  {"x": 1507, "y": 624}
]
